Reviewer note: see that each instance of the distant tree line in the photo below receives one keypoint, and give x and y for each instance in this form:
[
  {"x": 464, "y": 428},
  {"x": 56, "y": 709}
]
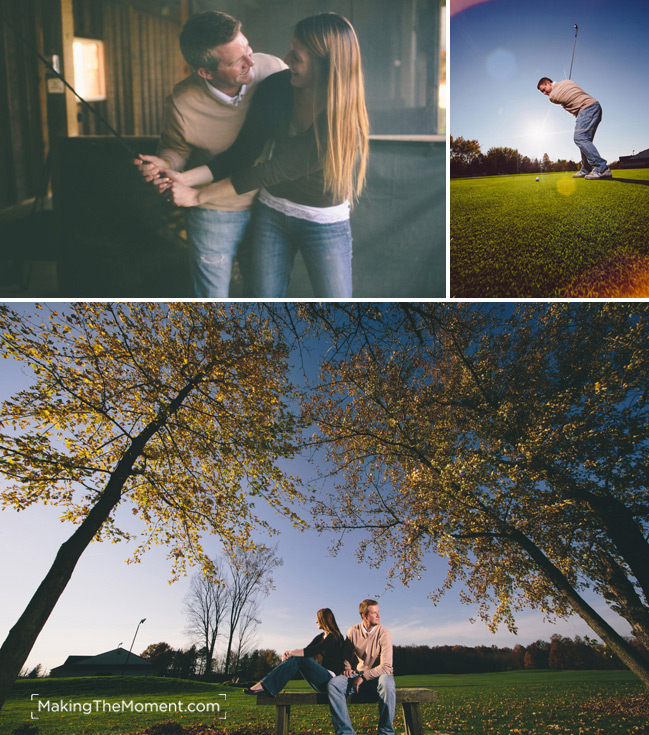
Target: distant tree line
[
  {"x": 468, "y": 160},
  {"x": 578, "y": 654},
  {"x": 560, "y": 653}
]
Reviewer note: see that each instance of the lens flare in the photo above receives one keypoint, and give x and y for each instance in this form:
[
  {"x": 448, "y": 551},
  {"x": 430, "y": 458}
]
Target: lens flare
[
  {"x": 566, "y": 186},
  {"x": 501, "y": 64}
]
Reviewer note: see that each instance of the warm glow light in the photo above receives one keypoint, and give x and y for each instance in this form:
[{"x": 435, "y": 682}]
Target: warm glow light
[
  {"x": 442, "y": 96},
  {"x": 89, "y": 73}
]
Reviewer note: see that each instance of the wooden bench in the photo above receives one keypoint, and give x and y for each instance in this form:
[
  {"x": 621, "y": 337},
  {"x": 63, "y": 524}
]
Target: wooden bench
[{"x": 409, "y": 699}]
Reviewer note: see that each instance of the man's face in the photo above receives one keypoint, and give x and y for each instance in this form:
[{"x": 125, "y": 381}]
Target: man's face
[
  {"x": 372, "y": 617},
  {"x": 546, "y": 87},
  {"x": 235, "y": 65}
]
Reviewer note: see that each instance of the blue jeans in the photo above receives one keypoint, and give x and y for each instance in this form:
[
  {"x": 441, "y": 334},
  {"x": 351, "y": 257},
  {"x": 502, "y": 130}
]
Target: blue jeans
[
  {"x": 382, "y": 688},
  {"x": 275, "y": 241},
  {"x": 588, "y": 120},
  {"x": 317, "y": 676},
  {"x": 214, "y": 237}
]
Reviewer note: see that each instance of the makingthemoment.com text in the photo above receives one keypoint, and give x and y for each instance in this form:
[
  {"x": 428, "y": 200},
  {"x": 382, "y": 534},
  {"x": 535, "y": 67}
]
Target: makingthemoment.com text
[{"x": 124, "y": 706}]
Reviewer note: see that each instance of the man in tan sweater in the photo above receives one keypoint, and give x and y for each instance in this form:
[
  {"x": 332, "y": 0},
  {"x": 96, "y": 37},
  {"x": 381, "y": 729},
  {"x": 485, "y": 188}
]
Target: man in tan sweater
[
  {"x": 202, "y": 118},
  {"x": 588, "y": 112},
  {"x": 368, "y": 672}
]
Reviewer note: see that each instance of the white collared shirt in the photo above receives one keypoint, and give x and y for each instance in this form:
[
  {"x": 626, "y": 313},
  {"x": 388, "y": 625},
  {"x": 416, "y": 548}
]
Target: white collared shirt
[{"x": 225, "y": 98}]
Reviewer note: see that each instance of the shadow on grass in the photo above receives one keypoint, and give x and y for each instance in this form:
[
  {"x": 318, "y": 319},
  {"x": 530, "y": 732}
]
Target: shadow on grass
[{"x": 630, "y": 181}]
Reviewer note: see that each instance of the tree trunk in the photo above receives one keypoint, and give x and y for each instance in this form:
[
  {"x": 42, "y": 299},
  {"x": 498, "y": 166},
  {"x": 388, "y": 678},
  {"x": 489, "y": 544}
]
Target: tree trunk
[
  {"x": 23, "y": 635},
  {"x": 622, "y": 648},
  {"x": 228, "y": 653},
  {"x": 623, "y": 598},
  {"x": 627, "y": 536}
]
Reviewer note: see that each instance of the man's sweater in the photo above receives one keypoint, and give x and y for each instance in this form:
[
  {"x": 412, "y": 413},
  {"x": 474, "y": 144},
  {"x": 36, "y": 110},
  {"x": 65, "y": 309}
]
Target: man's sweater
[
  {"x": 197, "y": 126},
  {"x": 570, "y": 96},
  {"x": 373, "y": 651}
]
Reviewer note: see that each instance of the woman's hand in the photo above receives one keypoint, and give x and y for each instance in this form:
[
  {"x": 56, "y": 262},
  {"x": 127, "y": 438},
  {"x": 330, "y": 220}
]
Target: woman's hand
[
  {"x": 180, "y": 194},
  {"x": 296, "y": 652},
  {"x": 185, "y": 196}
]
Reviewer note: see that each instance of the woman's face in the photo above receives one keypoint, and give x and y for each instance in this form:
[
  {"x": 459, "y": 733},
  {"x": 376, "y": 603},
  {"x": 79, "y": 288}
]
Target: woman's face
[{"x": 300, "y": 62}]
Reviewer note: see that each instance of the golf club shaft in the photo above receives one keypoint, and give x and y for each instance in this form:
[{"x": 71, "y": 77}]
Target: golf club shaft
[{"x": 573, "y": 53}]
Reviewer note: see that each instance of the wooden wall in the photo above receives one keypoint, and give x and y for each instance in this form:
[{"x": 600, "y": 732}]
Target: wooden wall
[
  {"x": 143, "y": 63},
  {"x": 23, "y": 131}
]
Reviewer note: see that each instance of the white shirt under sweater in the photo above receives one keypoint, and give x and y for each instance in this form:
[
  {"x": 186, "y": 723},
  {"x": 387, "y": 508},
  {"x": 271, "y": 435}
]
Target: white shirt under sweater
[{"x": 320, "y": 215}]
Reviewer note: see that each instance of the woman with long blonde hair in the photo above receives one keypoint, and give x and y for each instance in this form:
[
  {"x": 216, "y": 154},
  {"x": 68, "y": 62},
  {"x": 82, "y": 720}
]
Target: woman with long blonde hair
[
  {"x": 318, "y": 662},
  {"x": 312, "y": 121}
]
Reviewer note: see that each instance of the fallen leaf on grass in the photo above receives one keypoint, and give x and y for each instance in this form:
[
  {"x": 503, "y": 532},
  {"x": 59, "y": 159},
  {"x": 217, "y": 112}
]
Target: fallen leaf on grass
[{"x": 633, "y": 706}]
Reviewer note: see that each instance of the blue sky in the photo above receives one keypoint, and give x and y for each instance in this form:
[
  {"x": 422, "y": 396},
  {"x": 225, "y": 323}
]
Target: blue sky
[
  {"x": 499, "y": 49},
  {"x": 106, "y": 597}
]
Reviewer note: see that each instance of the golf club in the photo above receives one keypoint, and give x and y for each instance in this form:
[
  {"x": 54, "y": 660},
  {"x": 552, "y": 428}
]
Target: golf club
[{"x": 573, "y": 52}]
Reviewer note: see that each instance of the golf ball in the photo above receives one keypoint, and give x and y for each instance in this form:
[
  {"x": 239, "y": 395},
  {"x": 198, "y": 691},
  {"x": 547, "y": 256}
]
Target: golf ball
[{"x": 537, "y": 178}]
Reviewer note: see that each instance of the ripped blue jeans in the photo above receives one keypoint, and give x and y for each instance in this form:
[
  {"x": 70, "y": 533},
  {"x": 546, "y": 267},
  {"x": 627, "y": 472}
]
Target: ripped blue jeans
[{"x": 214, "y": 238}]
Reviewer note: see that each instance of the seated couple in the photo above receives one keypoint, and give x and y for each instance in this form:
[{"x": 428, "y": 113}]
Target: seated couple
[{"x": 360, "y": 665}]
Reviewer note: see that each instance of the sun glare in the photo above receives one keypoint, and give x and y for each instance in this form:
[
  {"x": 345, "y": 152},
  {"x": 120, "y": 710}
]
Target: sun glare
[{"x": 538, "y": 134}]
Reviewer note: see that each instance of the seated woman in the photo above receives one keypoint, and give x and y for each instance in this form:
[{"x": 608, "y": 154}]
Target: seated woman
[
  {"x": 314, "y": 117},
  {"x": 328, "y": 645}
]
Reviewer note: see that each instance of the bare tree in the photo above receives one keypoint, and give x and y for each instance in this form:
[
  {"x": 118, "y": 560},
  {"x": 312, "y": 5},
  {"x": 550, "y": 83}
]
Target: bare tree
[
  {"x": 206, "y": 606},
  {"x": 246, "y": 634},
  {"x": 250, "y": 579}
]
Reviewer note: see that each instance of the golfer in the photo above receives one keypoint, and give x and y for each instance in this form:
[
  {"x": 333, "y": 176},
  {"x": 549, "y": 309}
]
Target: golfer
[{"x": 588, "y": 112}]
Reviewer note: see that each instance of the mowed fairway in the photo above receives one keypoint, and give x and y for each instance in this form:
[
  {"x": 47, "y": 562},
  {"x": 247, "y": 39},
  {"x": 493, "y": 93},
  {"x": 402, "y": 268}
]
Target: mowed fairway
[
  {"x": 517, "y": 702},
  {"x": 513, "y": 236}
]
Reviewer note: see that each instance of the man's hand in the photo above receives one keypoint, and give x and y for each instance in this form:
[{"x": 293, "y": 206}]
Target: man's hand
[
  {"x": 150, "y": 166},
  {"x": 356, "y": 684},
  {"x": 349, "y": 672}
]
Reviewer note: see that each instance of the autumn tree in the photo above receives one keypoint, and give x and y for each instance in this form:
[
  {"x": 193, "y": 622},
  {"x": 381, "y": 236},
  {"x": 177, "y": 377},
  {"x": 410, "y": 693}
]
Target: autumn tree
[
  {"x": 510, "y": 440},
  {"x": 161, "y": 654},
  {"x": 537, "y": 655},
  {"x": 179, "y": 410}
]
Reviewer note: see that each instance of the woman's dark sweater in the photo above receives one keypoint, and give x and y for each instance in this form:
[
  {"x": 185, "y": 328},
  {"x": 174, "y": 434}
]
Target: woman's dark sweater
[
  {"x": 294, "y": 171},
  {"x": 330, "y": 649}
]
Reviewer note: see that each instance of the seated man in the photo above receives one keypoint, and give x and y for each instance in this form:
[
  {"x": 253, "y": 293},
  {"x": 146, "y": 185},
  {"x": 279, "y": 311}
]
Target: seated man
[{"x": 367, "y": 674}]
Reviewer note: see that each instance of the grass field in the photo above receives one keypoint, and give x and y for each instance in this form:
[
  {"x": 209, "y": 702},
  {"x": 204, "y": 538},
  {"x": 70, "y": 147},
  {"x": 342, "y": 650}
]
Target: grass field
[
  {"x": 513, "y": 236},
  {"x": 514, "y": 703}
]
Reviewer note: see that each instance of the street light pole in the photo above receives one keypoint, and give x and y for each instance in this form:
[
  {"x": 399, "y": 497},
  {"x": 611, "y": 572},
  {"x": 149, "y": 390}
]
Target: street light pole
[{"x": 132, "y": 642}]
